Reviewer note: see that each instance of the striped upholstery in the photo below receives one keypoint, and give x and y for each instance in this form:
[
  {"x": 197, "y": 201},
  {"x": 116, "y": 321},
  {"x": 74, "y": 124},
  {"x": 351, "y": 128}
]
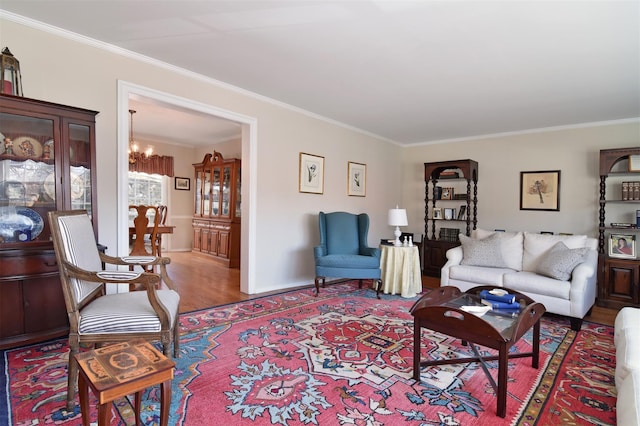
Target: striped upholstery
[
  {"x": 80, "y": 251},
  {"x": 126, "y": 313}
]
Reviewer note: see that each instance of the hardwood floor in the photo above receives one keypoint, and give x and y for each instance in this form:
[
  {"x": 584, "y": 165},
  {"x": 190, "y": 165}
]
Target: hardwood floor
[{"x": 202, "y": 283}]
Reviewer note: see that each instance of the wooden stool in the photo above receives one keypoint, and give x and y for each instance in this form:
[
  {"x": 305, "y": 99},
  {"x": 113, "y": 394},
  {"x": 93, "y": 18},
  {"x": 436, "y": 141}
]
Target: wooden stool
[{"x": 119, "y": 370}]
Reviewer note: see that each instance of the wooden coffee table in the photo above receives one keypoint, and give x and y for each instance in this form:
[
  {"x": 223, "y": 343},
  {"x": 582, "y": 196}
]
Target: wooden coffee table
[{"x": 439, "y": 310}]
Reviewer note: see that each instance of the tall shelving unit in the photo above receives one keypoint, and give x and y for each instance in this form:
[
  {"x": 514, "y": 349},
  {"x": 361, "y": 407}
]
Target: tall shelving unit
[
  {"x": 463, "y": 181},
  {"x": 618, "y": 275}
]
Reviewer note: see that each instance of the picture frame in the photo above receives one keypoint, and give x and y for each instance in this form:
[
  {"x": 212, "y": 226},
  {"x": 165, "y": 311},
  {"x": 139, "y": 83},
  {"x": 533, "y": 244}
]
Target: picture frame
[
  {"x": 449, "y": 213},
  {"x": 356, "y": 179},
  {"x": 461, "y": 211},
  {"x": 447, "y": 193},
  {"x": 311, "y": 174},
  {"x": 540, "y": 190},
  {"x": 182, "y": 184},
  {"x": 437, "y": 213},
  {"x": 622, "y": 246},
  {"x": 634, "y": 163}
]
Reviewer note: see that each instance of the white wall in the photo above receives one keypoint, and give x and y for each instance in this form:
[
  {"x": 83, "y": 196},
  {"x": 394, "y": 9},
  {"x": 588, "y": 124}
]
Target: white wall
[
  {"x": 575, "y": 152},
  {"x": 66, "y": 71}
]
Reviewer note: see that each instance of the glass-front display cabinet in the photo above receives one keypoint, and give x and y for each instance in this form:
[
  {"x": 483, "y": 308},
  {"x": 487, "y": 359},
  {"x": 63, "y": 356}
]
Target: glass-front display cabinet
[
  {"x": 216, "y": 222},
  {"x": 47, "y": 162}
]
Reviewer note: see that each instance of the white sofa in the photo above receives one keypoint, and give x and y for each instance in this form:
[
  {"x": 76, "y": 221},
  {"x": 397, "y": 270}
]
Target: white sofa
[
  {"x": 558, "y": 271},
  {"x": 627, "y": 342}
]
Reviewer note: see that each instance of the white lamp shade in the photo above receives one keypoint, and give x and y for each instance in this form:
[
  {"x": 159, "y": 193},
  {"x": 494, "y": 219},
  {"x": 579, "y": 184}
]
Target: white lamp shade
[{"x": 398, "y": 217}]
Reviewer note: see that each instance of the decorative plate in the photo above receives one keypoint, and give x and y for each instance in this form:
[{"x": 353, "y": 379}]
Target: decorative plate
[
  {"x": 26, "y": 146},
  {"x": 20, "y": 224},
  {"x": 48, "y": 146},
  {"x": 49, "y": 186},
  {"x": 77, "y": 187}
]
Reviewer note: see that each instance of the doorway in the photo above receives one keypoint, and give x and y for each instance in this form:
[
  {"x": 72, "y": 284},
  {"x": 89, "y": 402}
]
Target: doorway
[{"x": 127, "y": 91}]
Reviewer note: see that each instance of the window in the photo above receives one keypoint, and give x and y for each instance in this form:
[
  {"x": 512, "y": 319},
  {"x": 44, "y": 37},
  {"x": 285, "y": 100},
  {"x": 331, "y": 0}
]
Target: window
[{"x": 147, "y": 189}]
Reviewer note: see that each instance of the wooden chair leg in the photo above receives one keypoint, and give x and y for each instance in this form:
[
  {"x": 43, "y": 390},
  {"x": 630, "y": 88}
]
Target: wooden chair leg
[{"x": 72, "y": 375}]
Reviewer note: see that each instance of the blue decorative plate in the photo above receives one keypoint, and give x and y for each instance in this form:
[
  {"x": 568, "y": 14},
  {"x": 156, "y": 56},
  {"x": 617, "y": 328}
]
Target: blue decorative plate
[{"x": 19, "y": 224}]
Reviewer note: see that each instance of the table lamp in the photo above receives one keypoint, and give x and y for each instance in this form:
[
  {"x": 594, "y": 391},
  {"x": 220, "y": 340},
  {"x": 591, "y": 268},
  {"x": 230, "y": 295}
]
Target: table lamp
[{"x": 397, "y": 218}]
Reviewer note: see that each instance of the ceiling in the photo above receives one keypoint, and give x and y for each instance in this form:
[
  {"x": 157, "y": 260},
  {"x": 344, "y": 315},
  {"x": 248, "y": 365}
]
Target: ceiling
[{"x": 408, "y": 71}]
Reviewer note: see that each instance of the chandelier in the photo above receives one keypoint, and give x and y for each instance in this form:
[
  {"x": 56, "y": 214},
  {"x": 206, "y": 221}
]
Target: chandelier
[{"x": 134, "y": 154}]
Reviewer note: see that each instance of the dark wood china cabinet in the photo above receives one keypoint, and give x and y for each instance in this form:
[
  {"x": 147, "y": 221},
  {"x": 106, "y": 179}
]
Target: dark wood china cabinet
[
  {"x": 216, "y": 221},
  {"x": 47, "y": 162}
]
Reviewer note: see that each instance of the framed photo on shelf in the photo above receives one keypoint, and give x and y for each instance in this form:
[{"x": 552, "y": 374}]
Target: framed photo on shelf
[
  {"x": 182, "y": 183},
  {"x": 447, "y": 193},
  {"x": 437, "y": 213},
  {"x": 540, "y": 190},
  {"x": 311, "y": 177},
  {"x": 461, "y": 212},
  {"x": 449, "y": 214},
  {"x": 357, "y": 179},
  {"x": 622, "y": 246}
]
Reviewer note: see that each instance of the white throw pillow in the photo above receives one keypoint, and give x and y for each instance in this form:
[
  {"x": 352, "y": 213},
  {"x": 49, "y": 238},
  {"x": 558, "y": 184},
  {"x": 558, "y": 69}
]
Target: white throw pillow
[
  {"x": 560, "y": 261},
  {"x": 485, "y": 252},
  {"x": 536, "y": 245}
]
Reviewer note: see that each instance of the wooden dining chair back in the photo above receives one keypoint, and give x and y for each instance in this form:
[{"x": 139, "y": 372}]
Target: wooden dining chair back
[
  {"x": 96, "y": 317},
  {"x": 144, "y": 226}
]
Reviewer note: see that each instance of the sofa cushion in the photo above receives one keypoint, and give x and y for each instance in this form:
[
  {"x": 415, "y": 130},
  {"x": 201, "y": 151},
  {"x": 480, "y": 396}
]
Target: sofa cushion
[
  {"x": 627, "y": 406},
  {"x": 559, "y": 262},
  {"x": 536, "y": 245},
  {"x": 530, "y": 282},
  {"x": 478, "y": 274},
  {"x": 485, "y": 252},
  {"x": 511, "y": 246}
]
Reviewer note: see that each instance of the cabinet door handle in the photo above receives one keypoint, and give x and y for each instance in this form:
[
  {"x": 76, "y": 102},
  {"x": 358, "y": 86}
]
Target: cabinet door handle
[{"x": 48, "y": 263}]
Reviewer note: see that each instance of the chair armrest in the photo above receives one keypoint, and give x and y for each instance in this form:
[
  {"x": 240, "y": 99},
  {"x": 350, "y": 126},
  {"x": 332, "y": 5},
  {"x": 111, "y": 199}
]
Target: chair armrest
[
  {"x": 319, "y": 251},
  {"x": 454, "y": 257},
  {"x": 371, "y": 251}
]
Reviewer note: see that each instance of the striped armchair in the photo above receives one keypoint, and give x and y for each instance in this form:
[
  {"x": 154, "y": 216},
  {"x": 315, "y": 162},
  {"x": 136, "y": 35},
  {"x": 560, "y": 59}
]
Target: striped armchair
[{"x": 96, "y": 317}]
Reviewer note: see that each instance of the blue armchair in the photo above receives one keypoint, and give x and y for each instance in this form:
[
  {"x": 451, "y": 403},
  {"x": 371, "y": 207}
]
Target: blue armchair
[{"x": 343, "y": 250}]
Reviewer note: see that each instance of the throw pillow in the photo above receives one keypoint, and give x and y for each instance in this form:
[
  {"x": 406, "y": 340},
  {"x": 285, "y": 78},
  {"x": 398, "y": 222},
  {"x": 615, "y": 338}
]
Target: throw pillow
[
  {"x": 485, "y": 252},
  {"x": 559, "y": 261}
]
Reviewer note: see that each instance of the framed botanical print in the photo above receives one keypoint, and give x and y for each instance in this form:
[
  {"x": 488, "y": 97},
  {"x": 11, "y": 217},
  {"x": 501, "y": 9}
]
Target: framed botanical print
[
  {"x": 540, "y": 190},
  {"x": 357, "y": 179},
  {"x": 311, "y": 175}
]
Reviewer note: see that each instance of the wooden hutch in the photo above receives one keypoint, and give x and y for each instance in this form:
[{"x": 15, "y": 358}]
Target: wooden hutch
[
  {"x": 216, "y": 221},
  {"x": 47, "y": 162},
  {"x": 618, "y": 275},
  {"x": 454, "y": 188}
]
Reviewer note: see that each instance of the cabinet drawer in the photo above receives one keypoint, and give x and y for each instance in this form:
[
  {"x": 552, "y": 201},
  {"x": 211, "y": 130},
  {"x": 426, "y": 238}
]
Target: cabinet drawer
[{"x": 29, "y": 265}]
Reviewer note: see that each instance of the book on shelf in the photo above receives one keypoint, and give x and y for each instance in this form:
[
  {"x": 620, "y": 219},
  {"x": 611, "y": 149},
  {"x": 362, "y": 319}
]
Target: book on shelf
[
  {"x": 622, "y": 225},
  {"x": 449, "y": 174},
  {"x": 636, "y": 191},
  {"x": 625, "y": 191},
  {"x": 437, "y": 193}
]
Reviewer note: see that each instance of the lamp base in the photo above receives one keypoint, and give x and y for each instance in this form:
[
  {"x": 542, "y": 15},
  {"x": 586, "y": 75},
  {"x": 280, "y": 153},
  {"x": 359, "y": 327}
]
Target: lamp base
[{"x": 397, "y": 234}]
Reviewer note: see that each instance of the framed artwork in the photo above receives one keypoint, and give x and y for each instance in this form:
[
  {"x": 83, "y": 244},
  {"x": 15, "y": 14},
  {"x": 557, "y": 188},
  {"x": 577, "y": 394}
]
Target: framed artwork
[
  {"x": 540, "y": 190},
  {"x": 311, "y": 176},
  {"x": 449, "y": 214},
  {"x": 437, "y": 213},
  {"x": 622, "y": 246},
  {"x": 357, "y": 179},
  {"x": 182, "y": 183}
]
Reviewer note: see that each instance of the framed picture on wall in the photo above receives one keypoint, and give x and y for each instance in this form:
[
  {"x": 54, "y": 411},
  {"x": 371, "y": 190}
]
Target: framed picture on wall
[
  {"x": 182, "y": 184},
  {"x": 356, "y": 179},
  {"x": 311, "y": 177},
  {"x": 540, "y": 190}
]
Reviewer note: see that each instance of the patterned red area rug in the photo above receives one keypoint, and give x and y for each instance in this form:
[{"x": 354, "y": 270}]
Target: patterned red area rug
[{"x": 342, "y": 358}]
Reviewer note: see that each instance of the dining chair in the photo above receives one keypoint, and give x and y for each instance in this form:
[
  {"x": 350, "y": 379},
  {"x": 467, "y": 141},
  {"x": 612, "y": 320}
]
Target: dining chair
[
  {"x": 141, "y": 226},
  {"x": 97, "y": 318},
  {"x": 162, "y": 211}
]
